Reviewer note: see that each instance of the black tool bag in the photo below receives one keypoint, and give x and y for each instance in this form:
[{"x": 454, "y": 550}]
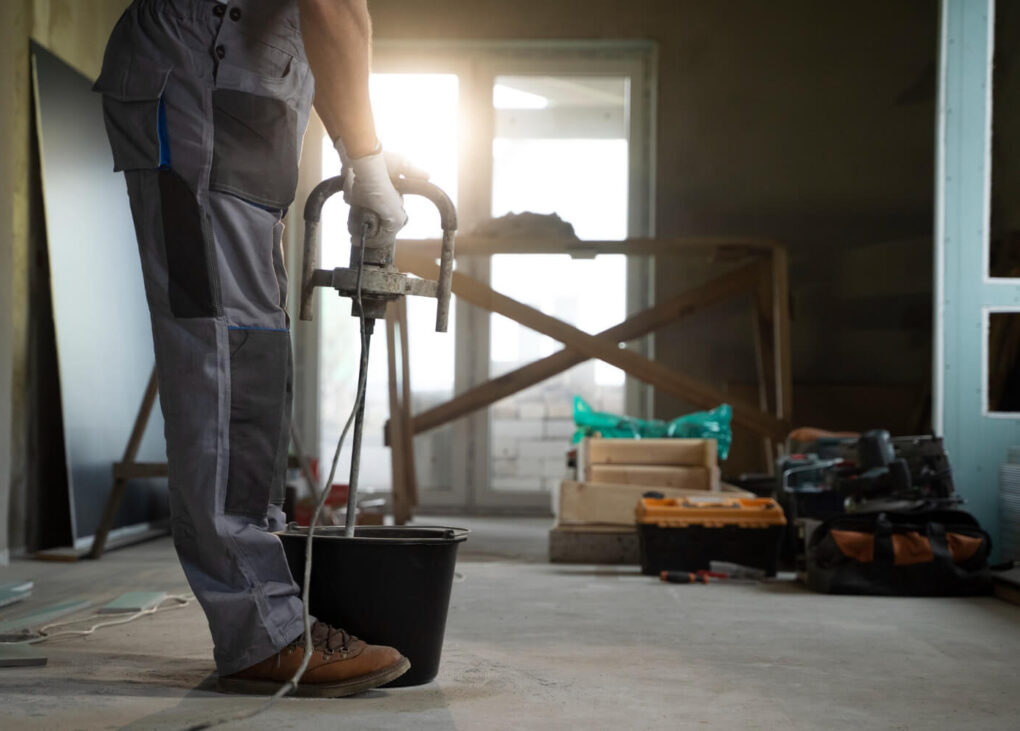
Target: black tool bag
[{"x": 926, "y": 553}]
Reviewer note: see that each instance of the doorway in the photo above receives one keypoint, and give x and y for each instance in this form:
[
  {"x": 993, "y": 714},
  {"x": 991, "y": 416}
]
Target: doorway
[{"x": 504, "y": 128}]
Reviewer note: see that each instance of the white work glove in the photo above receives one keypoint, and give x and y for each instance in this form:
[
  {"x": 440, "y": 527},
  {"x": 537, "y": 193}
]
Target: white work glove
[{"x": 367, "y": 184}]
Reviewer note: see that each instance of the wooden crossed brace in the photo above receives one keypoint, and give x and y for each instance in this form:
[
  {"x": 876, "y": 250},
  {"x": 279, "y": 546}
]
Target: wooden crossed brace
[{"x": 605, "y": 346}]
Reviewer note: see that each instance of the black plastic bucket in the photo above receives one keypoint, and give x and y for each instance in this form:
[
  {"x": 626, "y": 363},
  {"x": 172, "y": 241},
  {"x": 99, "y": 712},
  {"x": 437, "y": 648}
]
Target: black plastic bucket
[{"x": 389, "y": 585}]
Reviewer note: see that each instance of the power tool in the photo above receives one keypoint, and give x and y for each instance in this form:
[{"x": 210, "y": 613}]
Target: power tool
[{"x": 372, "y": 282}]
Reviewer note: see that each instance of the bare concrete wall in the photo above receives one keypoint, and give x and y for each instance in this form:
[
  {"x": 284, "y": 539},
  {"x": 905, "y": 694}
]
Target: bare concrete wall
[
  {"x": 808, "y": 122},
  {"x": 793, "y": 117},
  {"x": 77, "y": 32}
]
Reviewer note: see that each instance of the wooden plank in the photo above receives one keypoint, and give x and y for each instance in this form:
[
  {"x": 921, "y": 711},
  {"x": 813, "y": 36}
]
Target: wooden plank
[
  {"x": 614, "y": 504},
  {"x": 763, "y": 324},
  {"x": 468, "y": 245},
  {"x": 116, "y": 495},
  {"x": 649, "y": 371},
  {"x": 141, "y": 419},
  {"x": 720, "y": 289},
  {"x": 397, "y": 424},
  {"x": 690, "y": 452},
  {"x": 763, "y": 328},
  {"x": 781, "y": 325},
  {"x": 407, "y": 435},
  {"x": 689, "y": 478}
]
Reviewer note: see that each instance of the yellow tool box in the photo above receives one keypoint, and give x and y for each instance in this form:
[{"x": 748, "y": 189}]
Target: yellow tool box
[{"x": 686, "y": 533}]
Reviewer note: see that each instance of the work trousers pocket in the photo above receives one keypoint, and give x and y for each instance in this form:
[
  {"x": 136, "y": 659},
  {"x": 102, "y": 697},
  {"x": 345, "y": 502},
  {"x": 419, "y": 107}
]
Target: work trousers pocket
[
  {"x": 259, "y": 419},
  {"x": 255, "y": 148},
  {"x": 133, "y": 110}
]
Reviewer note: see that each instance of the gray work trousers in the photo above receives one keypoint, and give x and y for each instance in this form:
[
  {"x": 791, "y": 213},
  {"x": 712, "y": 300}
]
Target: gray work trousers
[{"x": 205, "y": 105}]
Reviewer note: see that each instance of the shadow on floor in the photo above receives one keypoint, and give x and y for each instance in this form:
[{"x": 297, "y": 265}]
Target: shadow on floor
[{"x": 202, "y": 706}]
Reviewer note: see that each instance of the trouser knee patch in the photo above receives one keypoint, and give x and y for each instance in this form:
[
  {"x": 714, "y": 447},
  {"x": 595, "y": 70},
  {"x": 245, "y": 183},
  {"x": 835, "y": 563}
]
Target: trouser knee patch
[{"x": 259, "y": 382}]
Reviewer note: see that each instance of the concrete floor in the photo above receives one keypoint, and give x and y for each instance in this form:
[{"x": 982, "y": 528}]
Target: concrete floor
[{"x": 536, "y": 646}]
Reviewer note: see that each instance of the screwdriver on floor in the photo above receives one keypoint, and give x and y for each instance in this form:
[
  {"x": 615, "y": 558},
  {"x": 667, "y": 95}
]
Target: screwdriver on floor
[
  {"x": 683, "y": 577},
  {"x": 717, "y": 571}
]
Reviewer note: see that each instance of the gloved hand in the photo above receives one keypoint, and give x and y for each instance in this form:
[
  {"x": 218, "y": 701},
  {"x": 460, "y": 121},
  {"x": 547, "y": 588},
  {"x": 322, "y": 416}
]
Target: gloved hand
[{"x": 368, "y": 185}]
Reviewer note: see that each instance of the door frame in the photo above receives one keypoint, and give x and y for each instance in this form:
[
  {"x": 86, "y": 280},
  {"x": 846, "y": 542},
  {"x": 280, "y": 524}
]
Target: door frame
[{"x": 477, "y": 64}]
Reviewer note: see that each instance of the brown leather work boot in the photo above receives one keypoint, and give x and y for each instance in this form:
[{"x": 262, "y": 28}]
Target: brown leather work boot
[{"x": 341, "y": 665}]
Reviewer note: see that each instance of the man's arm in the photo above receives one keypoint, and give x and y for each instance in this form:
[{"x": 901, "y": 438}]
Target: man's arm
[{"x": 338, "y": 43}]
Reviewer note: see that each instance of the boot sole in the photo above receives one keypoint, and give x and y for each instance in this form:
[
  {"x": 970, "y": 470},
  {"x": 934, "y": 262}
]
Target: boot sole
[{"x": 319, "y": 690}]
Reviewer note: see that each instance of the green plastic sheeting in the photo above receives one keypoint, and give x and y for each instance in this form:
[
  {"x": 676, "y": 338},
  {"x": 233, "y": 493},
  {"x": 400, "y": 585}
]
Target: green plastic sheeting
[{"x": 714, "y": 424}]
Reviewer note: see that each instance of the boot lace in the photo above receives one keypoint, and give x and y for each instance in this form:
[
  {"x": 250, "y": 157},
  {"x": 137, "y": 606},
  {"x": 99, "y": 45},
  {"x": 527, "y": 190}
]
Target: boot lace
[{"x": 327, "y": 639}]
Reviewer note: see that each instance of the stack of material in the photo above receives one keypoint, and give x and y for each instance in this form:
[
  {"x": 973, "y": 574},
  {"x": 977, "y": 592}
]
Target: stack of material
[{"x": 595, "y": 512}]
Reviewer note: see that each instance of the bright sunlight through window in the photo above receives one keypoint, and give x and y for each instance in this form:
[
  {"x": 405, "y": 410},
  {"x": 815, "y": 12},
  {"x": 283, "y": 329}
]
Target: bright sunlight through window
[{"x": 416, "y": 116}]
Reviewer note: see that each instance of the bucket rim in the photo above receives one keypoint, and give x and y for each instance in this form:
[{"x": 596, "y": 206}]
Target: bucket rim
[{"x": 443, "y": 535}]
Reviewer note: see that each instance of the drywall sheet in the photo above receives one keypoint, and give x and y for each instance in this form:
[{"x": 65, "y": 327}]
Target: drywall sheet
[{"x": 103, "y": 335}]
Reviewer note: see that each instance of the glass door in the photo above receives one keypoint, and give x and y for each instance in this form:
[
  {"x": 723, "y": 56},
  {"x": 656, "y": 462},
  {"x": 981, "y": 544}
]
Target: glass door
[
  {"x": 560, "y": 148},
  {"x": 429, "y": 138},
  {"x": 503, "y": 127}
]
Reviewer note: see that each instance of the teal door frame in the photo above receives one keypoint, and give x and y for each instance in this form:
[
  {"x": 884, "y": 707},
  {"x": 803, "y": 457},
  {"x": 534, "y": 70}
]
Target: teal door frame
[{"x": 977, "y": 441}]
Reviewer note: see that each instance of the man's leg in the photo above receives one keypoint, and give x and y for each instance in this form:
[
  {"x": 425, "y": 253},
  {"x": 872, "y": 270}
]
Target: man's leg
[
  {"x": 219, "y": 328},
  {"x": 225, "y": 394},
  {"x": 210, "y": 154}
]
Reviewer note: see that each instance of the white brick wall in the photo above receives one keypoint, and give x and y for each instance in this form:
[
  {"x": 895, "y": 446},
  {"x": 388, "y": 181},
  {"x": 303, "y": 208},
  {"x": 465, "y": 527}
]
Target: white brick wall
[
  {"x": 554, "y": 467},
  {"x": 531, "y": 432},
  {"x": 537, "y": 449},
  {"x": 560, "y": 409},
  {"x": 516, "y": 483},
  {"x": 560, "y": 429},
  {"x": 534, "y": 410},
  {"x": 531, "y": 468},
  {"x": 503, "y": 467},
  {"x": 504, "y": 447},
  {"x": 518, "y": 428}
]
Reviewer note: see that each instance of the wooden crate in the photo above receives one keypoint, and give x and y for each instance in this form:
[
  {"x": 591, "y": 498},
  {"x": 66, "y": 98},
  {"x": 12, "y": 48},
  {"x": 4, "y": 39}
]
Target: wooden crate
[
  {"x": 688, "y": 478},
  {"x": 580, "y": 503},
  {"x": 645, "y": 452}
]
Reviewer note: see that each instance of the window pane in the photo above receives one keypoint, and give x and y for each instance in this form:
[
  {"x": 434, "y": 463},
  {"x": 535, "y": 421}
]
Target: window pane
[
  {"x": 416, "y": 115},
  {"x": 1004, "y": 239},
  {"x": 1004, "y": 362},
  {"x": 561, "y": 147}
]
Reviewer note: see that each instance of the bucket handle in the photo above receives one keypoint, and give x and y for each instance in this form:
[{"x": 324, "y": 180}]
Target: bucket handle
[{"x": 457, "y": 534}]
